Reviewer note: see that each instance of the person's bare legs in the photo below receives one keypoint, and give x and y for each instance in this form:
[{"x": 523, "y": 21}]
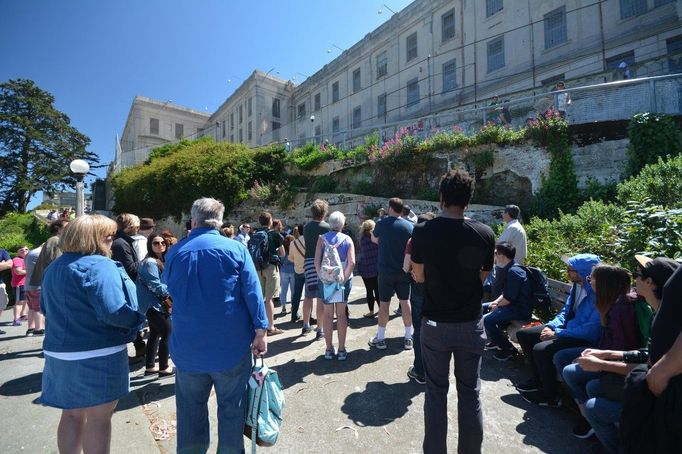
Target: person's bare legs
[
  {"x": 32, "y": 319},
  {"x": 307, "y": 309},
  {"x": 270, "y": 311},
  {"x": 39, "y": 320},
  {"x": 70, "y": 431},
  {"x": 19, "y": 307},
  {"x": 383, "y": 313},
  {"x": 341, "y": 325},
  {"x": 328, "y": 325},
  {"x": 406, "y": 310},
  {"x": 97, "y": 433},
  {"x": 319, "y": 310}
]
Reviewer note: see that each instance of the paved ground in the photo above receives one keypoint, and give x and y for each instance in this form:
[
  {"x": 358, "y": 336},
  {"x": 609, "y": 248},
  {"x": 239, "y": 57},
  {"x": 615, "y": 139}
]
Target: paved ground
[{"x": 366, "y": 404}]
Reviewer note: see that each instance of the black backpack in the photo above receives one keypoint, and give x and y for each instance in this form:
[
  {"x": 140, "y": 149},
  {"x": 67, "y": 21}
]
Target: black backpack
[
  {"x": 259, "y": 249},
  {"x": 539, "y": 291}
]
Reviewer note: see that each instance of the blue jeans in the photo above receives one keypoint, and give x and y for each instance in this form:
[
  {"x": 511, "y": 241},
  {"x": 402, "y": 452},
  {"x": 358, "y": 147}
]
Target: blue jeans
[
  {"x": 578, "y": 380},
  {"x": 603, "y": 415},
  {"x": 286, "y": 282},
  {"x": 192, "y": 390},
  {"x": 417, "y": 302},
  {"x": 299, "y": 282},
  {"x": 502, "y": 315},
  {"x": 563, "y": 358}
]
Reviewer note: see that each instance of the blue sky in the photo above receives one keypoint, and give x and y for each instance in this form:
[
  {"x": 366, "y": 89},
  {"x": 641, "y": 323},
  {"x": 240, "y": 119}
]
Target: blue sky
[{"x": 96, "y": 56}]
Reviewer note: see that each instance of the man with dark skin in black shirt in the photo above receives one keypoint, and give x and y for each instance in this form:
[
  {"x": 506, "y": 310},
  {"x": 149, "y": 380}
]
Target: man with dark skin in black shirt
[{"x": 452, "y": 255}]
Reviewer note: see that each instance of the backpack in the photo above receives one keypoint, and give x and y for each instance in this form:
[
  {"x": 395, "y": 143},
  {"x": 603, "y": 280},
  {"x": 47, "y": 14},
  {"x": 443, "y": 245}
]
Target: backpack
[
  {"x": 259, "y": 249},
  {"x": 264, "y": 407},
  {"x": 331, "y": 269},
  {"x": 539, "y": 291}
]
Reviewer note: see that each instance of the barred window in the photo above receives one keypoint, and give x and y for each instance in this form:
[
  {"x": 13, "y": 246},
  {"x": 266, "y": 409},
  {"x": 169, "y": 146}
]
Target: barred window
[
  {"x": 381, "y": 105},
  {"x": 496, "y": 54},
  {"x": 154, "y": 126},
  {"x": 449, "y": 75},
  {"x": 411, "y": 46},
  {"x": 447, "y": 21},
  {"x": 555, "y": 27},
  {"x": 630, "y": 8},
  {"x": 357, "y": 117},
  {"x": 335, "y": 91},
  {"x": 492, "y": 6},
  {"x": 382, "y": 65},
  {"x": 412, "y": 92}
]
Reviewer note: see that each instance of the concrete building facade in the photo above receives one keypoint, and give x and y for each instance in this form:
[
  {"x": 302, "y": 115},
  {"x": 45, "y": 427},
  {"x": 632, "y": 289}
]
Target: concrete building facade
[{"x": 433, "y": 56}]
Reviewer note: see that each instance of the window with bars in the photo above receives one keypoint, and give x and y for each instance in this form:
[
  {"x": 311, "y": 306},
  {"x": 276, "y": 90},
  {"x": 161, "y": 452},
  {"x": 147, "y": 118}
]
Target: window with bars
[
  {"x": 318, "y": 131},
  {"x": 674, "y": 50},
  {"x": 492, "y": 6},
  {"x": 382, "y": 65},
  {"x": 275, "y": 107},
  {"x": 276, "y": 125},
  {"x": 449, "y": 75},
  {"x": 241, "y": 135},
  {"x": 357, "y": 83},
  {"x": 154, "y": 126},
  {"x": 335, "y": 91},
  {"x": 300, "y": 110},
  {"x": 318, "y": 102},
  {"x": 381, "y": 105},
  {"x": 631, "y": 8},
  {"x": 241, "y": 114},
  {"x": 496, "y": 54},
  {"x": 555, "y": 27},
  {"x": 447, "y": 22},
  {"x": 411, "y": 46},
  {"x": 232, "y": 122},
  {"x": 412, "y": 92},
  {"x": 223, "y": 134},
  {"x": 357, "y": 117},
  {"x": 180, "y": 130},
  {"x": 249, "y": 107},
  {"x": 335, "y": 125}
]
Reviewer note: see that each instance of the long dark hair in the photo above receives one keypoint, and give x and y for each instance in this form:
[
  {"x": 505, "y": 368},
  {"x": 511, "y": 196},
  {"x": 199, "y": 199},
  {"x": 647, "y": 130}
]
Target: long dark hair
[
  {"x": 612, "y": 284},
  {"x": 150, "y": 249}
]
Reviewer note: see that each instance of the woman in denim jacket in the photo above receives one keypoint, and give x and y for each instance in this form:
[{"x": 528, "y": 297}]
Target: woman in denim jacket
[
  {"x": 92, "y": 308},
  {"x": 150, "y": 294}
]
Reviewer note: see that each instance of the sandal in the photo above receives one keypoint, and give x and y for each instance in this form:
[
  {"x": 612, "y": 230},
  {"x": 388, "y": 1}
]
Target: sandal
[
  {"x": 274, "y": 331},
  {"x": 369, "y": 315}
]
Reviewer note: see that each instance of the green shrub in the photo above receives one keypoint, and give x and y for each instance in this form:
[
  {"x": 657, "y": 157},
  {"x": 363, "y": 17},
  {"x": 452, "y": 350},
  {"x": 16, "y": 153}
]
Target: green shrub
[
  {"x": 652, "y": 136},
  {"x": 17, "y": 229},
  {"x": 310, "y": 156},
  {"x": 168, "y": 185},
  {"x": 325, "y": 183},
  {"x": 445, "y": 140},
  {"x": 494, "y": 133},
  {"x": 660, "y": 183},
  {"x": 594, "y": 190},
  {"x": 651, "y": 230}
]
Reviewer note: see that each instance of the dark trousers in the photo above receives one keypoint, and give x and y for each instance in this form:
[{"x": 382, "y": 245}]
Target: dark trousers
[
  {"x": 139, "y": 344},
  {"x": 372, "y": 290},
  {"x": 439, "y": 344},
  {"x": 159, "y": 332},
  {"x": 299, "y": 281},
  {"x": 540, "y": 355},
  {"x": 417, "y": 303}
]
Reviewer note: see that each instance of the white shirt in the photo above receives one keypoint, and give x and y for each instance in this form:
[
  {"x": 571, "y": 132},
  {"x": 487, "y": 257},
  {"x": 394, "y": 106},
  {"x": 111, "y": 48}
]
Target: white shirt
[
  {"x": 140, "y": 246},
  {"x": 515, "y": 235}
]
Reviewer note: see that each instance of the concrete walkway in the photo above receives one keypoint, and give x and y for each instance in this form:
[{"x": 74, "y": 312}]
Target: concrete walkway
[{"x": 366, "y": 404}]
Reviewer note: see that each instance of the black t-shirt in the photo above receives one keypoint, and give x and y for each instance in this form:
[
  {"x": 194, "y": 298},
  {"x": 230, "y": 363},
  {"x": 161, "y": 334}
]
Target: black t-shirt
[
  {"x": 668, "y": 321},
  {"x": 453, "y": 252}
]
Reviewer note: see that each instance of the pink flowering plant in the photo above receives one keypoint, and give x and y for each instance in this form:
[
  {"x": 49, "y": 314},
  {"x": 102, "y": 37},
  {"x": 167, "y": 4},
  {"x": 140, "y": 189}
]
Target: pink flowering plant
[{"x": 547, "y": 128}]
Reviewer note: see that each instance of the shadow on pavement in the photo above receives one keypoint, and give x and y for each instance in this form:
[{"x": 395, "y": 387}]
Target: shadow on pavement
[
  {"x": 155, "y": 390},
  {"x": 293, "y": 372},
  {"x": 22, "y": 386},
  {"x": 379, "y": 403},
  {"x": 38, "y": 352}
]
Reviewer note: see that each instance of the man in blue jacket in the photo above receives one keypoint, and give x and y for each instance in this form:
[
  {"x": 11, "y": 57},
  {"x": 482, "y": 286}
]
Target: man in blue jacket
[
  {"x": 219, "y": 321},
  {"x": 576, "y": 325}
]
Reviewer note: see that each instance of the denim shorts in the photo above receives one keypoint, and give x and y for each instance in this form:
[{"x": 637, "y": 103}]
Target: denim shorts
[
  {"x": 394, "y": 283},
  {"x": 19, "y": 293},
  {"x": 85, "y": 383}
]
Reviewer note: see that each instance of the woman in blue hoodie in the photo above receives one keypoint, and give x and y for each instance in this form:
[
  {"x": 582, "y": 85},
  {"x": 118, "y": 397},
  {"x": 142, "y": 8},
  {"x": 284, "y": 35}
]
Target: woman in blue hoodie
[
  {"x": 576, "y": 325},
  {"x": 93, "y": 313}
]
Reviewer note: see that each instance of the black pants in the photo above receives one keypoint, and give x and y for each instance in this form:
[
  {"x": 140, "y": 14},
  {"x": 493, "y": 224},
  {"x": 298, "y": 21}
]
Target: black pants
[
  {"x": 541, "y": 353},
  {"x": 139, "y": 344},
  {"x": 159, "y": 332},
  {"x": 372, "y": 290}
]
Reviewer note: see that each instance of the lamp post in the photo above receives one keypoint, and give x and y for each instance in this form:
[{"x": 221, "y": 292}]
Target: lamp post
[{"x": 79, "y": 168}]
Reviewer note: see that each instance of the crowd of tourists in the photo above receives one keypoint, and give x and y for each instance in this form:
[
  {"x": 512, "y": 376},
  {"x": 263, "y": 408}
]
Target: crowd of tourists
[{"x": 208, "y": 301}]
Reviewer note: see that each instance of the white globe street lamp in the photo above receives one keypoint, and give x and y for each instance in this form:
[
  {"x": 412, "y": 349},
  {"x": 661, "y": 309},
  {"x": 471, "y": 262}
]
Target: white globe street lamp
[{"x": 79, "y": 168}]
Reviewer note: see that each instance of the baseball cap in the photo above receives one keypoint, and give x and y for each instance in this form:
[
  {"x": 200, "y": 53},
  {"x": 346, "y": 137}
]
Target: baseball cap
[{"x": 659, "y": 269}]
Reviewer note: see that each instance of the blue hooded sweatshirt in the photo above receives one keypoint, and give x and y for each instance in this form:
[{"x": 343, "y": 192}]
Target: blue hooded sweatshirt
[{"x": 585, "y": 324}]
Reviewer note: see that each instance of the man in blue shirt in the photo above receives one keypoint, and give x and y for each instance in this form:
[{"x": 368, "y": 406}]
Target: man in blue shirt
[
  {"x": 391, "y": 234},
  {"x": 219, "y": 321},
  {"x": 513, "y": 304}
]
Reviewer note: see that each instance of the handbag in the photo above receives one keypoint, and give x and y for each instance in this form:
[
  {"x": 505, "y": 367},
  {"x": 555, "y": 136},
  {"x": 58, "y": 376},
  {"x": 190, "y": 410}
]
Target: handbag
[{"x": 264, "y": 406}]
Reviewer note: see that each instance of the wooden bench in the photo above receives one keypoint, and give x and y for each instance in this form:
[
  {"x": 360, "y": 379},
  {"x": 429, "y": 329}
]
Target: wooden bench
[{"x": 558, "y": 291}]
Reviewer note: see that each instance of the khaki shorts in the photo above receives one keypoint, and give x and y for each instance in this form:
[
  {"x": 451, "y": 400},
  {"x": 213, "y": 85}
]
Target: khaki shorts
[
  {"x": 33, "y": 298},
  {"x": 269, "y": 281}
]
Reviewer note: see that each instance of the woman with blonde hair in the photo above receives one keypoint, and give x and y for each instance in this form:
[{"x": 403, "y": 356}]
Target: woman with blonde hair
[
  {"x": 367, "y": 266},
  {"x": 92, "y": 307}
]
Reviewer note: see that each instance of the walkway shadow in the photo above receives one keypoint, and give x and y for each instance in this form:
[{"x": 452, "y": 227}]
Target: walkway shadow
[
  {"x": 38, "y": 352},
  {"x": 22, "y": 386},
  {"x": 152, "y": 391},
  {"x": 379, "y": 403},
  {"x": 540, "y": 425},
  {"x": 294, "y": 372}
]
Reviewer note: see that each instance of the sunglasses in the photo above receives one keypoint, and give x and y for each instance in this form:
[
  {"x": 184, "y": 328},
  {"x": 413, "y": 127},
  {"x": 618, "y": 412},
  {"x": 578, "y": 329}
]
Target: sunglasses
[{"x": 158, "y": 243}]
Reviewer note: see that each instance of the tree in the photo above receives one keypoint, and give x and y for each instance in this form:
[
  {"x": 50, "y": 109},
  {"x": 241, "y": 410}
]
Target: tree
[{"x": 37, "y": 144}]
